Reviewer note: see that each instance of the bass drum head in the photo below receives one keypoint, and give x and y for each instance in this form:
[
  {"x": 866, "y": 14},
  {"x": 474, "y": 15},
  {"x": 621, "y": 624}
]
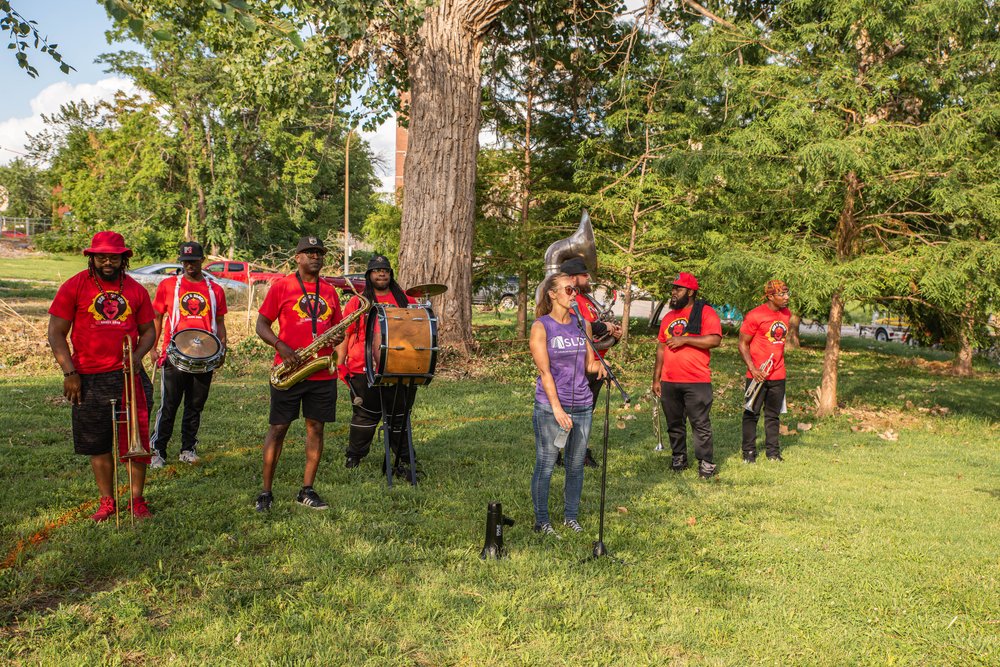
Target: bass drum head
[
  {"x": 374, "y": 335},
  {"x": 196, "y": 344}
]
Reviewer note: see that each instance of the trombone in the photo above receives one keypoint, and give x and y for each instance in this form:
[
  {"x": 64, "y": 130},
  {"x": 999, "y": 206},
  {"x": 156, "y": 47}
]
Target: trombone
[
  {"x": 753, "y": 389},
  {"x": 127, "y": 416}
]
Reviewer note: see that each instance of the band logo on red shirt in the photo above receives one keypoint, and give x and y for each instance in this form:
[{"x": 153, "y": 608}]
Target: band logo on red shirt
[
  {"x": 110, "y": 306},
  {"x": 303, "y": 306},
  {"x": 777, "y": 332},
  {"x": 676, "y": 327},
  {"x": 194, "y": 304}
]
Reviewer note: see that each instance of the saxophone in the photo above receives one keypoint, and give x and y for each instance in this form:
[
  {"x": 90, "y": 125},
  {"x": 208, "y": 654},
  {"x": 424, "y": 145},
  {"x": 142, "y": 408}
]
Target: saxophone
[{"x": 286, "y": 374}]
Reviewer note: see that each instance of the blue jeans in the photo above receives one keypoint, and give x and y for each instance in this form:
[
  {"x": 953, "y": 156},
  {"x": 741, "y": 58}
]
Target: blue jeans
[{"x": 546, "y": 428}]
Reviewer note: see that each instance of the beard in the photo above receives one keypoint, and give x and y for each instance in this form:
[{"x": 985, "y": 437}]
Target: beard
[
  {"x": 677, "y": 303},
  {"x": 109, "y": 274}
]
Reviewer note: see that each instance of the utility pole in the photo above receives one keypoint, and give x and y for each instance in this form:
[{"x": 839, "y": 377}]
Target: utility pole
[{"x": 347, "y": 202}]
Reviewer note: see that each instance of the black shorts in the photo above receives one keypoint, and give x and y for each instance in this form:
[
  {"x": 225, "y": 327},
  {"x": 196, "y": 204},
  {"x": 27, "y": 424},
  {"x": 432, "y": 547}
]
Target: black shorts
[
  {"x": 317, "y": 397},
  {"x": 93, "y": 431}
]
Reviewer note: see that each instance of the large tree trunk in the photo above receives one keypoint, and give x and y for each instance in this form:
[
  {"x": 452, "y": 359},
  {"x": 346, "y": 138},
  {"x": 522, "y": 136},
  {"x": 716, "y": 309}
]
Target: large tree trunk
[
  {"x": 962, "y": 365},
  {"x": 831, "y": 359},
  {"x": 846, "y": 237},
  {"x": 793, "y": 342},
  {"x": 439, "y": 200},
  {"x": 522, "y": 304}
]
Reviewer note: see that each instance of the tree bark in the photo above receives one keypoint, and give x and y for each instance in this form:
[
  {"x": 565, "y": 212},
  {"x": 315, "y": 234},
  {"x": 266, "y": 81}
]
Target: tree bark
[
  {"x": 522, "y": 304},
  {"x": 846, "y": 236},
  {"x": 962, "y": 366},
  {"x": 439, "y": 201},
  {"x": 793, "y": 341},
  {"x": 831, "y": 358}
]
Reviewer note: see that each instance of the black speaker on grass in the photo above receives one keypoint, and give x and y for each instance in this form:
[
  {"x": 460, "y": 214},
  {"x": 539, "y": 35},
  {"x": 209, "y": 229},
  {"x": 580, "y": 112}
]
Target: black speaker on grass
[{"x": 495, "y": 521}]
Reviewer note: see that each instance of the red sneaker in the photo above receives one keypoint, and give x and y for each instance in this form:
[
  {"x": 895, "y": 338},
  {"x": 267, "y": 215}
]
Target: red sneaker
[
  {"x": 139, "y": 508},
  {"x": 105, "y": 511}
]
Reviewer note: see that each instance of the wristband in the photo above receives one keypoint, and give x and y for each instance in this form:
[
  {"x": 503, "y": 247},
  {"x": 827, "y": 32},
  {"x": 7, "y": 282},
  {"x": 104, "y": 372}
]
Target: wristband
[{"x": 71, "y": 373}]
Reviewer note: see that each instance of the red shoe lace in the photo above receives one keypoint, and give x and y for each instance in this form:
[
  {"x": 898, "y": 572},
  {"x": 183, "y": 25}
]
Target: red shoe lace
[
  {"x": 140, "y": 509},
  {"x": 105, "y": 510}
]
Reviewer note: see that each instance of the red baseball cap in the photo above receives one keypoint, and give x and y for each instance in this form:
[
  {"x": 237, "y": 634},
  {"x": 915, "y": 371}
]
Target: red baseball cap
[
  {"x": 686, "y": 280},
  {"x": 108, "y": 243}
]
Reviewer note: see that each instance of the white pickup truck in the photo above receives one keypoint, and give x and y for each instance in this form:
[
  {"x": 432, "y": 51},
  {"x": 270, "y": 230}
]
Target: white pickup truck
[{"x": 886, "y": 327}]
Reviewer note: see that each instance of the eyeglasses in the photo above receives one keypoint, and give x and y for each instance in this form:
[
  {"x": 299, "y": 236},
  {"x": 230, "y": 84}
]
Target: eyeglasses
[{"x": 785, "y": 293}]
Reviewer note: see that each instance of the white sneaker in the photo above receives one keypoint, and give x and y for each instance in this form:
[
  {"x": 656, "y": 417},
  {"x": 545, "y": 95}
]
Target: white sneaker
[
  {"x": 188, "y": 457},
  {"x": 157, "y": 461}
]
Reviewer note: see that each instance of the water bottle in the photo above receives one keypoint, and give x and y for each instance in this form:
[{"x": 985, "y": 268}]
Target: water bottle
[{"x": 561, "y": 437}]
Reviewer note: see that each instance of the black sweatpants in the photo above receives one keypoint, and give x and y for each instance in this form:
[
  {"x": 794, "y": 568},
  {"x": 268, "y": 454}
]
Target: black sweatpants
[
  {"x": 176, "y": 386},
  {"x": 691, "y": 401},
  {"x": 398, "y": 401},
  {"x": 770, "y": 398}
]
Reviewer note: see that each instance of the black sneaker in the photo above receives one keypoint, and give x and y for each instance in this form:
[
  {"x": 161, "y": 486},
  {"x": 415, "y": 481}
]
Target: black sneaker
[
  {"x": 263, "y": 502},
  {"x": 775, "y": 457},
  {"x": 352, "y": 462},
  {"x": 559, "y": 459},
  {"x": 309, "y": 498},
  {"x": 749, "y": 457},
  {"x": 706, "y": 469},
  {"x": 678, "y": 463},
  {"x": 546, "y": 529},
  {"x": 588, "y": 459}
]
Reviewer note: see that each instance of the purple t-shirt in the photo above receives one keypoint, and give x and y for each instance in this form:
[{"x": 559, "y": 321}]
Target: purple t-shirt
[{"x": 567, "y": 362}]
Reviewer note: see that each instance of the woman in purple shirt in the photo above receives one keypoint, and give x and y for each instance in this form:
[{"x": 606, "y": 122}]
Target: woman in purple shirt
[{"x": 563, "y": 401}]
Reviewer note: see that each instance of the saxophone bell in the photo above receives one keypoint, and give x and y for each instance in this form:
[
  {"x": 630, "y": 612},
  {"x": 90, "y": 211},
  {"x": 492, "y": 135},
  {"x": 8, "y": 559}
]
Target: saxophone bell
[{"x": 289, "y": 373}]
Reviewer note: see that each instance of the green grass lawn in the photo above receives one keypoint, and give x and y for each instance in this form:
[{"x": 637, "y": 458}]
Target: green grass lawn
[
  {"x": 46, "y": 267},
  {"x": 855, "y": 550}
]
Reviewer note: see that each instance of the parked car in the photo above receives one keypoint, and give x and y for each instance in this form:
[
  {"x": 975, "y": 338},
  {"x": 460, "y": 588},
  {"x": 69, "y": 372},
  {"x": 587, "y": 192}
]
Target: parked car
[
  {"x": 886, "y": 327},
  {"x": 340, "y": 282},
  {"x": 242, "y": 272},
  {"x": 152, "y": 275},
  {"x": 500, "y": 291}
]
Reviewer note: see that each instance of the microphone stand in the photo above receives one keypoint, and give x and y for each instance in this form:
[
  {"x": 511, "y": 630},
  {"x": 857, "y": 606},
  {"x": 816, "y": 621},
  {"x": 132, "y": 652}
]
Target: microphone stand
[{"x": 599, "y": 548}]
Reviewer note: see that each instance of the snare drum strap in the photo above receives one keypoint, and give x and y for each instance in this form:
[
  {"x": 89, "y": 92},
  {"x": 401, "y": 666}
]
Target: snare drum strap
[{"x": 175, "y": 313}]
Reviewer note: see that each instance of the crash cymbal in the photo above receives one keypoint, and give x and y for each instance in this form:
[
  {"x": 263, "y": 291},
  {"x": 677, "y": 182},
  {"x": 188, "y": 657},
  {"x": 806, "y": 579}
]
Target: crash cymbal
[{"x": 426, "y": 291}]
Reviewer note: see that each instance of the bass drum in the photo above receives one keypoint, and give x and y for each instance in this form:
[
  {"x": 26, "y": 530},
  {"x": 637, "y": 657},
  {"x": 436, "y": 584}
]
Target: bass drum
[
  {"x": 401, "y": 345},
  {"x": 195, "y": 351}
]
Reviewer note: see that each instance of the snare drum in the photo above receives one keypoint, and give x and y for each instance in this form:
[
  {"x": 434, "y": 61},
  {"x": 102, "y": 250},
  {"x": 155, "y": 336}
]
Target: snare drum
[
  {"x": 195, "y": 351},
  {"x": 400, "y": 344}
]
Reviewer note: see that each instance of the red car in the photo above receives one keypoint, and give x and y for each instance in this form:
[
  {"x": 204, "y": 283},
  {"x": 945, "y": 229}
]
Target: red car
[
  {"x": 244, "y": 272},
  {"x": 241, "y": 271}
]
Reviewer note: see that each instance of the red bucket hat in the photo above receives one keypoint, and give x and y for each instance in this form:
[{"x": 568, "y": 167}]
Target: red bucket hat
[
  {"x": 686, "y": 280},
  {"x": 108, "y": 243}
]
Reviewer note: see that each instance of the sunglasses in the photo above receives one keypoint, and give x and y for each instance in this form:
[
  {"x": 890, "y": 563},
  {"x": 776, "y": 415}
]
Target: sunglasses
[{"x": 569, "y": 290}]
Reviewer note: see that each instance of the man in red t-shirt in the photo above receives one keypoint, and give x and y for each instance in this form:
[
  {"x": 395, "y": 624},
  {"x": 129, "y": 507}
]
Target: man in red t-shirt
[
  {"x": 97, "y": 309},
  {"x": 305, "y": 307},
  {"x": 369, "y": 402},
  {"x": 762, "y": 343},
  {"x": 682, "y": 378},
  {"x": 191, "y": 300},
  {"x": 576, "y": 268}
]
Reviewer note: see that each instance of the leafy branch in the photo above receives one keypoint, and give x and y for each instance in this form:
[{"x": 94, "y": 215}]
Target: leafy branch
[{"x": 23, "y": 35}]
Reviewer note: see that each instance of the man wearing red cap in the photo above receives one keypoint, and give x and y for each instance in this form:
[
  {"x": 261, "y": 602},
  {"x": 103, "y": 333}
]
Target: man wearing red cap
[
  {"x": 97, "y": 309},
  {"x": 305, "y": 307},
  {"x": 762, "y": 346},
  {"x": 682, "y": 378},
  {"x": 190, "y": 300}
]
